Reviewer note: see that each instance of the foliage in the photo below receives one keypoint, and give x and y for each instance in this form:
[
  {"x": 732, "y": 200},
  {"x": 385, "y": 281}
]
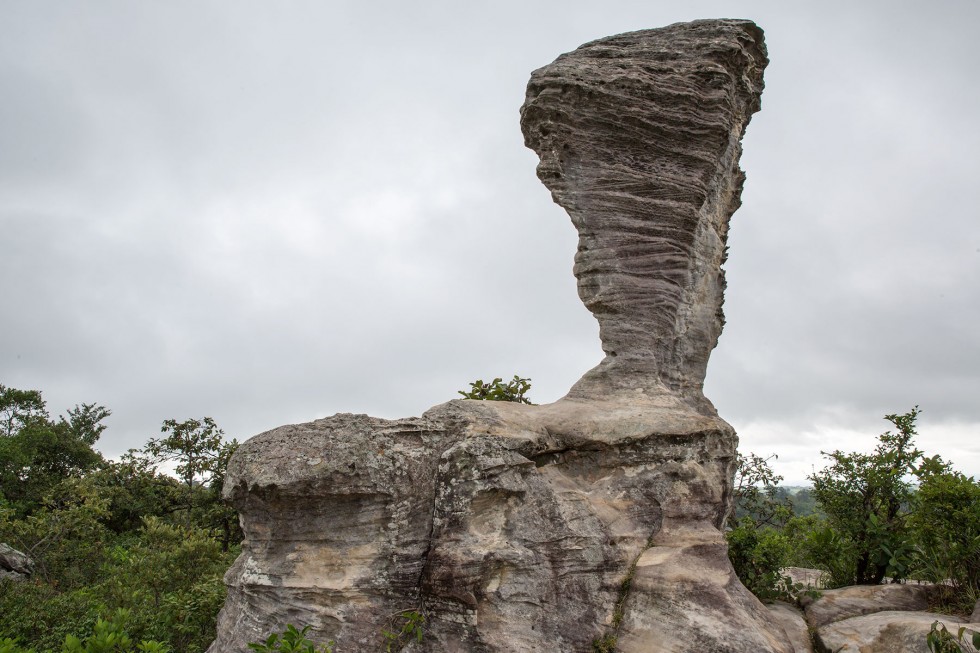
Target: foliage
[
  {"x": 291, "y": 640},
  {"x": 168, "y": 578},
  {"x": 134, "y": 490},
  {"x": 194, "y": 444},
  {"x": 816, "y": 545},
  {"x": 409, "y": 625},
  {"x": 758, "y": 553},
  {"x": 9, "y": 645},
  {"x": 866, "y": 498},
  {"x": 66, "y": 539},
  {"x": 109, "y": 636},
  {"x": 106, "y": 536},
  {"x": 37, "y": 453},
  {"x": 756, "y": 493},
  {"x": 202, "y": 457},
  {"x": 514, "y": 390},
  {"x": 945, "y": 524},
  {"x": 940, "y": 640}
]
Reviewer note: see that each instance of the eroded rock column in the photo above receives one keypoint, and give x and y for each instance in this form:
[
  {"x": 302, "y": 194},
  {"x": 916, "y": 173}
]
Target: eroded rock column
[
  {"x": 639, "y": 139},
  {"x": 593, "y": 523}
]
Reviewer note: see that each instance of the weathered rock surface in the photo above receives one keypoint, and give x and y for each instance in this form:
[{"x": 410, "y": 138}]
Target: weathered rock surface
[
  {"x": 14, "y": 565},
  {"x": 839, "y": 604},
  {"x": 791, "y": 619},
  {"x": 639, "y": 138},
  {"x": 883, "y": 632},
  {"x": 548, "y": 528},
  {"x": 809, "y": 578}
]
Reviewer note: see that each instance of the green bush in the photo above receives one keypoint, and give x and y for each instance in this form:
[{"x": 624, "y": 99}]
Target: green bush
[
  {"x": 110, "y": 636},
  {"x": 940, "y": 640},
  {"x": 866, "y": 498},
  {"x": 290, "y": 640},
  {"x": 167, "y": 577},
  {"x": 815, "y": 544},
  {"x": 945, "y": 523},
  {"x": 514, "y": 390},
  {"x": 757, "y": 554}
]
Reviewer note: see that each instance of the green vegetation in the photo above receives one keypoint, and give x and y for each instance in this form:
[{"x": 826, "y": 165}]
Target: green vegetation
[
  {"x": 290, "y": 640},
  {"x": 893, "y": 513},
  {"x": 406, "y": 626},
  {"x": 514, "y": 390},
  {"x": 940, "y": 640},
  {"x": 125, "y": 558}
]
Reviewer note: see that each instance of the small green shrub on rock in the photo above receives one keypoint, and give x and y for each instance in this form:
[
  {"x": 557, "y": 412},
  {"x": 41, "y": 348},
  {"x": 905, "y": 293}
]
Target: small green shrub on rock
[
  {"x": 514, "y": 390},
  {"x": 291, "y": 640}
]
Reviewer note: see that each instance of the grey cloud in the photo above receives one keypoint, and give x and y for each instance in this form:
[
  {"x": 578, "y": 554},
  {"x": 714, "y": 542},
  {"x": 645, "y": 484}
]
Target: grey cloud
[{"x": 270, "y": 214}]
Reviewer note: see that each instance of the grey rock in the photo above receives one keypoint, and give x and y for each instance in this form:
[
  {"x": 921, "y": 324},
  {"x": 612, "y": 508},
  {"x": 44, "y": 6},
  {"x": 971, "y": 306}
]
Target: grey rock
[
  {"x": 14, "y": 564},
  {"x": 791, "y": 619},
  {"x": 883, "y": 632},
  {"x": 808, "y": 578},
  {"x": 975, "y": 617},
  {"x": 639, "y": 139},
  {"x": 839, "y": 604},
  {"x": 548, "y": 528}
]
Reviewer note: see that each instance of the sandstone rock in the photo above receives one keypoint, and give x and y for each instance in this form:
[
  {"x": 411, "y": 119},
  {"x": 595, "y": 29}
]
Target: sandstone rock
[
  {"x": 808, "y": 578},
  {"x": 882, "y": 632},
  {"x": 835, "y": 605},
  {"x": 14, "y": 564},
  {"x": 791, "y": 619},
  {"x": 975, "y": 617},
  {"x": 561, "y": 527},
  {"x": 639, "y": 138}
]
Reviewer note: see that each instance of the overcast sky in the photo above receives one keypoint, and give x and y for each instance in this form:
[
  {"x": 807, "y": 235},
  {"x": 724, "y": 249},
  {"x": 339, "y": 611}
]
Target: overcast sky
[{"x": 269, "y": 212}]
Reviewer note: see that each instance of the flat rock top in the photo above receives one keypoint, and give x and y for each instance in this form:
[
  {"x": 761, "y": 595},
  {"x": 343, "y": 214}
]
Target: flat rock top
[
  {"x": 884, "y": 632},
  {"x": 836, "y": 605}
]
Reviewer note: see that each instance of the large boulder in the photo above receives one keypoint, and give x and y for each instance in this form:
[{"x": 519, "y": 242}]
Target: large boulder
[
  {"x": 581, "y": 525},
  {"x": 14, "y": 564},
  {"x": 877, "y": 618},
  {"x": 884, "y": 632},
  {"x": 839, "y": 604}
]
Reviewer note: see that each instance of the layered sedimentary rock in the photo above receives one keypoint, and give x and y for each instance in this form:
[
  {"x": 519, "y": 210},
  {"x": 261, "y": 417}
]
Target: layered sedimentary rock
[{"x": 566, "y": 527}]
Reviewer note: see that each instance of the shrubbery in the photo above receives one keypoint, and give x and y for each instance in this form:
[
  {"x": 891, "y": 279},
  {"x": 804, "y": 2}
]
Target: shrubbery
[
  {"x": 128, "y": 559},
  {"x": 893, "y": 513},
  {"x": 125, "y": 558}
]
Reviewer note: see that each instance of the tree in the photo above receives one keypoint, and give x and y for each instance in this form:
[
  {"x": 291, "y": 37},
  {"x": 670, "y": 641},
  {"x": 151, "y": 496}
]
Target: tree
[
  {"x": 193, "y": 444},
  {"x": 755, "y": 491},
  {"x": 37, "y": 453},
  {"x": 20, "y": 408},
  {"x": 945, "y": 522},
  {"x": 866, "y": 498},
  {"x": 202, "y": 457},
  {"x": 514, "y": 390},
  {"x": 757, "y": 548}
]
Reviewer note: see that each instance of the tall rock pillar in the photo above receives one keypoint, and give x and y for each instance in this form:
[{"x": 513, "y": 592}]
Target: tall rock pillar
[
  {"x": 639, "y": 137},
  {"x": 590, "y": 524}
]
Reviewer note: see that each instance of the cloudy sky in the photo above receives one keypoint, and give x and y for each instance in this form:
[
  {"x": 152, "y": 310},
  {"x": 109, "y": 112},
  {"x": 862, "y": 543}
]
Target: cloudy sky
[{"x": 271, "y": 212}]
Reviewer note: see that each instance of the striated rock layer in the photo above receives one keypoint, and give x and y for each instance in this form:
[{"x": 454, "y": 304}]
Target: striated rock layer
[
  {"x": 639, "y": 138},
  {"x": 574, "y": 526}
]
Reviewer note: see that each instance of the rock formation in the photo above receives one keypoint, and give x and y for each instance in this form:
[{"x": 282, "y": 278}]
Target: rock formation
[
  {"x": 14, "y": 565},
  {"x": 639, "y": 137},
  {"x": 573, "y": 526},
  {"x": 878, "y": 619}
]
